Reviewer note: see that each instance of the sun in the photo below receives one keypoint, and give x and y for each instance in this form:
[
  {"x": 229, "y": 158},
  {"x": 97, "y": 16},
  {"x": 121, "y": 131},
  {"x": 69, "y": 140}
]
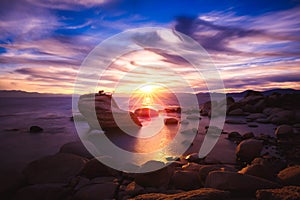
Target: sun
[{"x": 147, "y": 89}]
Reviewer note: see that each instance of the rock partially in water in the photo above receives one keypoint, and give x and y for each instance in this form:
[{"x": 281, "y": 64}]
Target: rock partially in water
[
  {"x": 169, "y": 121},
  {"x": 248, "y": 149},
  {"x": 206, "y": 169},
  {"x": 146, "y": 112},
  {"x": 35, "y": 129},
  {"x": 58, "y": 168},
  {"x": 200, "y": 194},
  {"x": 43, "y": 191},
  {"x": 237, "y": 182},
  {"x": 285, "y": 193},
  {"x": 290, "y": 175}
]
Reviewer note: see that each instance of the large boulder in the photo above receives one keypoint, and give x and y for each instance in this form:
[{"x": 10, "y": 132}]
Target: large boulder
[
  {"x": 58, "y": 168},
  {"x": 284, "y": 131},
  {"x": 206, "y": 169},
  {"x": 200, "y": 194},
  {"x": 96, "y": 191},
  {"x": 247, "y": 150},
  {"x": 237, "y": 182},
  {"x": 43, "y": 191},
  {"x": 169, "y": 121},
  {"x": 290, "y": 175},
  {"x": 285, "y": 193},
  {"x": 255, "y": 116},
  {"x": 76, "y": 148},
  {"x": 185, "y": 180},
  {"x": 156, "y": 178},
  {"x": 282, "y": 117},
  {"x": 258, "y": 170},
  {"x": 236, "y": 112},
  {"x": 94, "y": 168}
]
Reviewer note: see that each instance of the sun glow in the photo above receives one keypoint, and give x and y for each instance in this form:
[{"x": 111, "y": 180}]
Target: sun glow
[{"x": 147, "y": 89}]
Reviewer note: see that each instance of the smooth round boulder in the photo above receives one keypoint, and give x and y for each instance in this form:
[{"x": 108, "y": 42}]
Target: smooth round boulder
[
  {"x": 35, "y": 129},
  {"x": 185, "y": 180},
  {"x": 290, "y": 175},
  {"x": 248, "y": 149},
  {"x": 206, "y": 169},
  {"x": 257, "y": 170},
  {"x": 96, "y": 191},
  {"x": 237, "y": 182},
  {"x": 76, "y": 148},
  {"x": 58, "y": 168},
  {"x": 283, "y": 131},
  {"x": 156, "y": 178},
  {"x": 236, "y": 112},
  {"x": 43, "y": 191}
]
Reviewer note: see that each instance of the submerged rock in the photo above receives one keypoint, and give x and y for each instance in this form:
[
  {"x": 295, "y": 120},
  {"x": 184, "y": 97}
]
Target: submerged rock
[
  {"x": 169, "y": 121},
  {"x": 35, "y": 129},
  {"x": 76, "y": 148}
]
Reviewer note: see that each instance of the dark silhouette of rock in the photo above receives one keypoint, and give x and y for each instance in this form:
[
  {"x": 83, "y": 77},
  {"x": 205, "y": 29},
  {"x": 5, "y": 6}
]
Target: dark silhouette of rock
[
  {"x": 35, "y": 129},
  {"x": 248, "y": 149},
  {"x": 146, "y": 112},
  {"x": 11, "y": 181},
  {"x": 43, "y": 191},
  {"x": 284, "y": 131},
  {"x": 237, "y": 182},
  {"x": 96, "y": 191},
  {"x": 76, "y": 148},
  {"x": 258, "y": 170},
  {"x": 206, "y": 169},
  {"x": 185, "y": 180},
  {"x": 169, "y": 121},
  {"x": 58, "y": 168}
]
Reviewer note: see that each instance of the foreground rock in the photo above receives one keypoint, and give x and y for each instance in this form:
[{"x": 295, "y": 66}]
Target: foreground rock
[
  {"x": 159, "y": 178},
  {"x": 96, "y": 191},
  {"x": 284, "y": 131},
  {"x": 76, "y": 148},
  {"x": 43, "y": 191},
  {"x": 285, "y": 193},
  {"x": 258, "y": 170},
  {"x": 247, "y": 150},
  {"x": 10, "y": 181},
  {"x": 200, "y": 194},
  {"x": 169, "y": 121},
  {"x": 206, "y": 169},
  {"x": 185, "y": 180},
  {"x": 58, "y": 168},
  {"x": 237, "y": 182},
  {"x": 290, "y": 175}
]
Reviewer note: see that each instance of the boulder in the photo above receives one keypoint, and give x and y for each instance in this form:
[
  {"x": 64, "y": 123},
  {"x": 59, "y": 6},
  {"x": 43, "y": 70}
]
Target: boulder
[
  {"x": 237, "y": 182},
  {"x": 290, "y": 175},
  {"x": 76, "y": 148},
  {"x": 194, "y": 157},
  {"x": 206, "y": 169},
  {"x": 248, "y": 149},
  {"x": 96, "y": 191},
  {"x": 43, "y": 191},
  {"x": 58, "y": 168},
  {"x": 274, "y": 165},
  {"x": 156, "y": 178},
  {"x": 258, "y": 170},
  {"x": 191, "y": 167},
  {"x": 282, "y": 117},
  {"x": 11, "y": 181},
  {"x": 285, "y": 193},
  {"x": 248, "y": 135},
  {"x": 262, "y": 120},
  {"x": 235, "y": 121},
  {"x": 236, "y": 112},
  {"x": 169, "y": 121},
  {"x": 284, "y": 131},
  {"x": 94, "y": 168},
  {"x": 134, "y": 189},
  {"x": 185, "y": 180},
  {"x": 255, "y": 116},
  {"x": 200, "y": 194},
  {"x": 146, "y": 112},
  {"x": 35, "y": 129}
]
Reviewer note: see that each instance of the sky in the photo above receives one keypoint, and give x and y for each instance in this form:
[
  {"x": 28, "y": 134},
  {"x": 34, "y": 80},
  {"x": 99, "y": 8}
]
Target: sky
[{"x": 254, "y": 44}]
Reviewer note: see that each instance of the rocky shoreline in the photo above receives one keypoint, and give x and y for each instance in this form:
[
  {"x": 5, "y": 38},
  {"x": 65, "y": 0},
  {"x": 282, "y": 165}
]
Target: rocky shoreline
[{"x": 266, "y": 167}]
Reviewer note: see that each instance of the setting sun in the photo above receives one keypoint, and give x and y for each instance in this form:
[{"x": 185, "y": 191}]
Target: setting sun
[{"x": 147, "y": 89}]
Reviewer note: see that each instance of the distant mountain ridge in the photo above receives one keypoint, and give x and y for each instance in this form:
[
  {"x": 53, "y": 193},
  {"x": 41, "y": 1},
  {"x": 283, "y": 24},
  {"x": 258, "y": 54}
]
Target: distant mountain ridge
[{"x": 20, "y": 93}]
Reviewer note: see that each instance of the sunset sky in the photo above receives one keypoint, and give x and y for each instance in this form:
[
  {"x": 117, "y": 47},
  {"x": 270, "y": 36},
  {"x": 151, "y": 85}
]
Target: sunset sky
[{"x": 255, "y": 44}]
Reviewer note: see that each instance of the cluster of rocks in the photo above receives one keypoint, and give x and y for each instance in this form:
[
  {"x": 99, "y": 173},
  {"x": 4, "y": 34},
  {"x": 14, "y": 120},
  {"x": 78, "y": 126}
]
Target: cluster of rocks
[{"x": 74, "y": 174}]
